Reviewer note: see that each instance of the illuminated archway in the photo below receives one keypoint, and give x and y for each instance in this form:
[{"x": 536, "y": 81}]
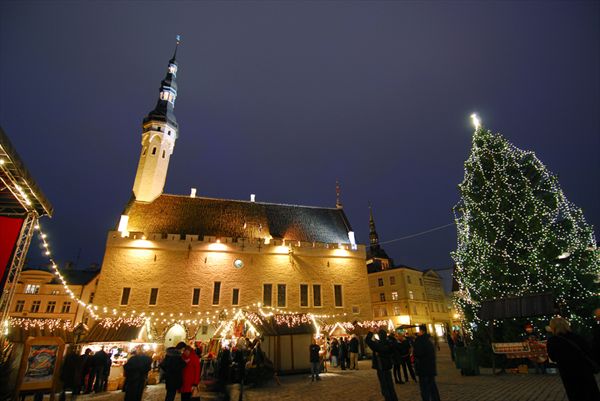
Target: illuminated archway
[{"x": 174, "y": 335}]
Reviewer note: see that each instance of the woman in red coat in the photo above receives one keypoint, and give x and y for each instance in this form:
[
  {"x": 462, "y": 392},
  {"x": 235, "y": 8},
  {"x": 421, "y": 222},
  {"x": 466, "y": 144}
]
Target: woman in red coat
[{"x": 191, "y": 373}]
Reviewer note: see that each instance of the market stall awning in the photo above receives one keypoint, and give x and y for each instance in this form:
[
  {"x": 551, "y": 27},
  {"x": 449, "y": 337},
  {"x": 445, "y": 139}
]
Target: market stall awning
[
  {"x": 23, "y": 328},
  {"x": 104, "y": 331}
]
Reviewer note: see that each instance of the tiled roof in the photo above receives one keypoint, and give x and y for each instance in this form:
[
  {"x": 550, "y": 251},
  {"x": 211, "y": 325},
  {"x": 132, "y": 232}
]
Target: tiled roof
[
  {"x": 176, "y": 214},
  {"x": 72, "y": 276}
]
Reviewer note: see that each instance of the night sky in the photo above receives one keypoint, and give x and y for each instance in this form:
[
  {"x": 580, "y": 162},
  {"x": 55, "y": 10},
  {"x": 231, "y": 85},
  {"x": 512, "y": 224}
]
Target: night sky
[{"x": 281, "y": 99}]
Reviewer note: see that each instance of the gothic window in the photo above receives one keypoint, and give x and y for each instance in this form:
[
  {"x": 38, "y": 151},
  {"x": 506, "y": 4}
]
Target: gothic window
[
  {"x": 267, "y": 294},
  {"x": 154, "y": 150},
  {"x": 317, "y": 295},
  {"x": 337, "y": 295},
  {"x": 163, "y": 154},
  {"x": 304, "y": 295},
  {"x": 153, "y": 296},
  {"x": 235, "y": 298},
  {"x": 281, "y": 295},
  {"x": 216, "y": 292},
  {"x": 196, "y": 296},
  {"x": 125, "y": 295}
]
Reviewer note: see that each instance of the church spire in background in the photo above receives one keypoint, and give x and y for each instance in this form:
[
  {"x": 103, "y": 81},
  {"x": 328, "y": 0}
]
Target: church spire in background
[
  {"x": 373, "y": 237},
  {"x": 338, "y": 190}
]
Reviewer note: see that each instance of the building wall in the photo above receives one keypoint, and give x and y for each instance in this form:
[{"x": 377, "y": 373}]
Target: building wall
[
  {"x": 176, "y": 266},
  {"x": 409, "y": 297},
  {"x": 46, "y": 293}
]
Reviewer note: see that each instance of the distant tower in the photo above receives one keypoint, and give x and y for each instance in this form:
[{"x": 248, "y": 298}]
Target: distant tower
[
  {"x": 373, "y": 237},
  {"x": 159, "y": 132},
  {"x": 377, "y": 258},
  {"x": 338, "y": 190}
]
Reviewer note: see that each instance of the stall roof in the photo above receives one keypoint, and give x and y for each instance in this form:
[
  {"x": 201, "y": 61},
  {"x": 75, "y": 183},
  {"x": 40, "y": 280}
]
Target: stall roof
[
  {"x": 18, "y": 334},
  {"x": 101, "y": 333},
  {"x": 19, "y": 193},
  {"x": 286, "y": 324}
]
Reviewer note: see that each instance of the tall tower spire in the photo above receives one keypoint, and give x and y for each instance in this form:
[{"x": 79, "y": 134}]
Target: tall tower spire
[
  {"x": 373, "y": 237},
  {"x": 159, "y": 132},
  {"x": 338, "y": 190}
]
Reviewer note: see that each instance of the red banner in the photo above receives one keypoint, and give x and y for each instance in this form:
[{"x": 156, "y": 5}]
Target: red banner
[{"x": 9, "y": 235}]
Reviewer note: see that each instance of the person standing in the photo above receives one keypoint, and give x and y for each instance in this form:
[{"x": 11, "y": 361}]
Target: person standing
[
  {"x": 136, "y": 373},
  {"x": 424, "y": 353},
  {"x": 342, "y": 353},
  {"x": 572, "y": 355},
  {"x": 191, "y": 373},
  {"x": 86, "y": 371},
  {"x": 382, "y": 361},
  {"x": 396, "y": 359},
  {"x": 172, "y": 367},
  {"x": 353, "y": 349},
  {"x": 313, "y": 350},
  {"x": 404, "y": 348},
  {"x": 70, "y": 374},
  {"x": 335, "y": 352},
  {"x": 99, "y": 361},
  {"x": 450, "y": 342}
]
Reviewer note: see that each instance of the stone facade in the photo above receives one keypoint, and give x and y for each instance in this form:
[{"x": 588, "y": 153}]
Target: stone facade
[
  {"x": 38, "y": 295},
  {"x": 410, "y": 297},
  {"x": 176, "y": 265}
]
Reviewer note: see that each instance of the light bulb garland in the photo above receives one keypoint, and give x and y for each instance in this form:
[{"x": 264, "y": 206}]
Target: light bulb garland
[{"x": 518, "y": 234}]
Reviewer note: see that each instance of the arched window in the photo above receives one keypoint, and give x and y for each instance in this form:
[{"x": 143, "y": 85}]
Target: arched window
[
  {"x": 154, "y": 150},
  {"x": 163, "y": 155}
]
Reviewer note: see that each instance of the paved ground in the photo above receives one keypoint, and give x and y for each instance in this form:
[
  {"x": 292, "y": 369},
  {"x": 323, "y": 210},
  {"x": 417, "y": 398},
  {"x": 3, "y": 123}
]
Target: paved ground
[{"x": 362, "y": 385}]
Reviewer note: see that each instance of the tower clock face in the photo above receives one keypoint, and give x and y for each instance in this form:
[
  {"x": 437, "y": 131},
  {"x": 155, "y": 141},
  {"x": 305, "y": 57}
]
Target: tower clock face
[{"x": 238, "y": 263}]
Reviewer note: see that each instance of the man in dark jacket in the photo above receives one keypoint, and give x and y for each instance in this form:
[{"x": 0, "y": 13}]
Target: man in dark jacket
[
  {"x": 404, "y": 349},
  {"x": 70, "y": 374},
  {"x": 315, "y": 360},
  {"x": 353, "y": 349},
  {"x": 343, "y": 353},
  {"x": 136, "y": 373},
  {"x": 382, "y": 361},
  {"x": 424, "y": 353},
  {"x": 99, "y": 361},
  {"x": 86, "y": 371},
  {"x": 172, "y": 367}
]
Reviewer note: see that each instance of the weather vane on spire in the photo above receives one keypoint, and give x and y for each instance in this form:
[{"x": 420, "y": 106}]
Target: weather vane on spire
[{"x": 476, "y": 121}]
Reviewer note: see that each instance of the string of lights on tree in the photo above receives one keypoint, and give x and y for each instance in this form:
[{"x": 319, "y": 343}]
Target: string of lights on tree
[{"x": 518, "y": 234}]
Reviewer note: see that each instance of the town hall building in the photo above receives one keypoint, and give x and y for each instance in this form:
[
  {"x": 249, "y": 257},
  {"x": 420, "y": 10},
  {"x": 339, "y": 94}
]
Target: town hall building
[{"x": 181, "y": 259}]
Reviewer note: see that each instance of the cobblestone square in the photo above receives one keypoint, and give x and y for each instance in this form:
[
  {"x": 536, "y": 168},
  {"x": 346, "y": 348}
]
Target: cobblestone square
[{"x": 362, "y": 385}]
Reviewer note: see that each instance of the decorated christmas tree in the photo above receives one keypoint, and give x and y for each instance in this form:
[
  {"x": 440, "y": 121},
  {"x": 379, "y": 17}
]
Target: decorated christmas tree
[{"x": 518, "y": 234}]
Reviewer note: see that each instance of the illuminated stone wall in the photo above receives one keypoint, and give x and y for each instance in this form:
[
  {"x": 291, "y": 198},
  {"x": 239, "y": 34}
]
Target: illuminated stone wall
[{"x": 177, "y": 265}]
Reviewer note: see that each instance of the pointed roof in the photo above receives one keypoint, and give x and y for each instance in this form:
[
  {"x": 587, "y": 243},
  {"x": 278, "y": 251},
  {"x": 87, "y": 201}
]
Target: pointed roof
[{"x": 163, "y": 111}]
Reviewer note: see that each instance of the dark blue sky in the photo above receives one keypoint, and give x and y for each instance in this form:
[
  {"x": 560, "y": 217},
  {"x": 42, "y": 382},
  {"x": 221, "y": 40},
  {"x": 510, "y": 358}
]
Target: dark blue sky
[{"x": 283, "y": 98}]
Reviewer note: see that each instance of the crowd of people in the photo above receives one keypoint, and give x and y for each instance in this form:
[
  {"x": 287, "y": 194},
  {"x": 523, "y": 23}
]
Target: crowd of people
[
  {"x": 396, "y": 357},
  {"x": 85, "y": 373}
]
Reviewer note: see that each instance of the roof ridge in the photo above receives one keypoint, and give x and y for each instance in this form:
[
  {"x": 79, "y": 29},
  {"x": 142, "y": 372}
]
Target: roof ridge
[{"x": 247, "y": 201}]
